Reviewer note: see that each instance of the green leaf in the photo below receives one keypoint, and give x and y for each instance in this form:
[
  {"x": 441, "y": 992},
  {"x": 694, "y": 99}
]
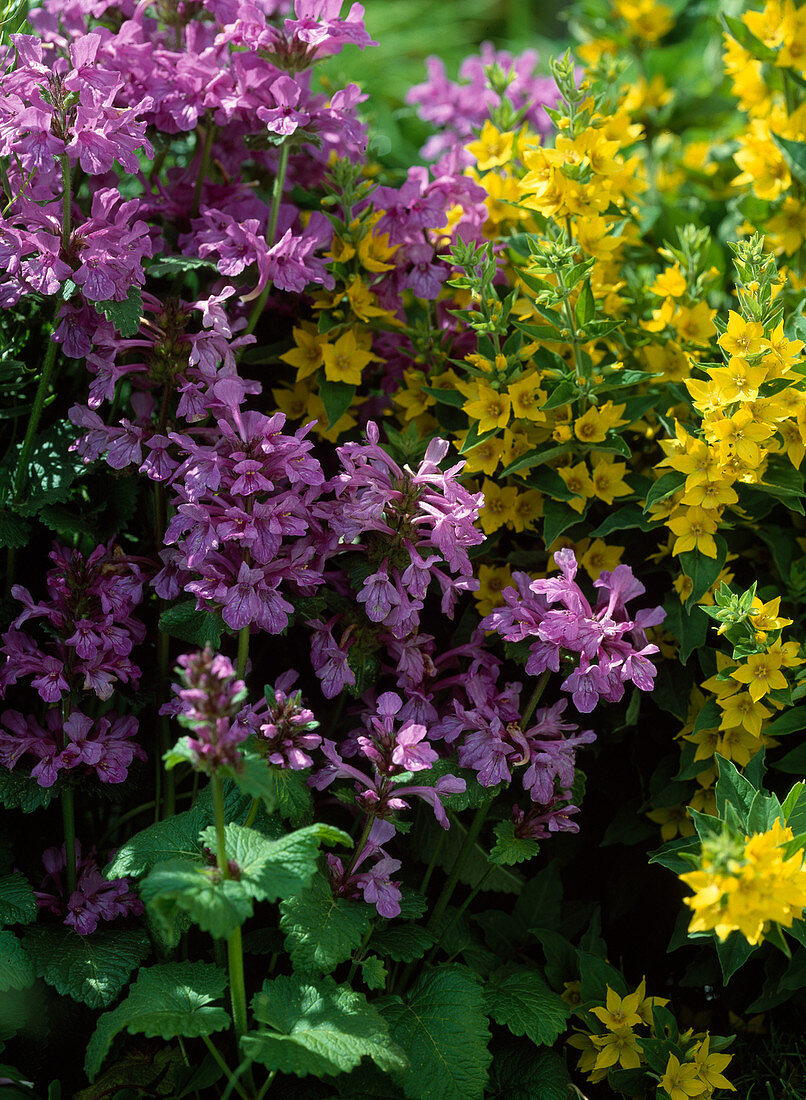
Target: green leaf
[
  {"x": 14, "y": 531},
  {"x": 794, "y": 154},
  {"x": 703, "y": 571},
  {"x": 670, "y": 855},
  {"x": 336, "y": 398},
  {"x": 401, "y": 942},
  {"x": 744, "y": 36},
  {"x": 562, "y": 394},
  {"x": 92, "y": 969},
  {"x": 17, "y": 901},
  {"x": 177, "y": 265},
  {"x": 166, "y": 1001},
  {"x": 445, "y": 396},
  {"x": 510, "y": 849},
  {"x": 175, "y": 838},
  {"x": 732, "y": 788},
  {"x": 125, "y": 316},
  {"x": 198, "y": 627},
  {"x": 373, "y": 972},
  {"x": 20, "y": 792},
  {"x": 585, "y": 310},
  {"x": 520, "y": 1000},
  {"x": 733, "y": 953},
  {"x": 664, "y": 487},
  {"x": 322, "y": 931},
  {"x": 793, "y": 720},
  {"x": 251, "y": 775},
  {"x": 442, "y": 1028},
  {"x": 557, "y": 518},
  {"x": 520, "y": 1072},
  {"x": 793, "y": 762},
  {"x": 177, "y": 889},
  {"x": 629, "y": 517},
  {"x": 691, "y": 630},
  {"x": 290, "y": 793},
  {"x": 313, "y": 1026},
  {"x": 596, "y": 974},
  {"x": 16, "y": 969}
]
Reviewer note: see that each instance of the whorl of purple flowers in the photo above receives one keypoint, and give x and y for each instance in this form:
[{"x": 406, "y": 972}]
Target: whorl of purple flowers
[
  {"x": 283, "y": 726},
  {"x": 608, "y": 641},
  {"x": 210, "y": 697},
  {"x": 94, "y": 899}
]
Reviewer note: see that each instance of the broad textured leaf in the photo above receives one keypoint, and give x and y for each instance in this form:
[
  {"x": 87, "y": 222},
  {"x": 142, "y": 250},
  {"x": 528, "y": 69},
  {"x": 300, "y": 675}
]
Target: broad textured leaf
[
  {"x": 16, "y": 968},
  {"x": 312, "y": 1025},
  {"x": 165, "y": 1001},
  {"x": 336, "y": 398},
  {"x": 322, "y": 931},
  {"x": 92, "y": 969},
  {"x": 273, "y": 869},
  {"x": 510, "y": 849},
  {"x": 291, "y": 793},
  {"x": 175, "y": 838},
  {"x": 373, "y": 972},
  {"x": 401, "y": 942},
  {"x": 14, "y": 530},
  {"x": 521, "y": 1001},
  {"x": 733, "y": 954},
  {"x": 443, "y": 1030},
  {"x": 17, "y": 901},
  {"x": 199, "y": 627},
  {"x": 519, "y": 1072},
  {"x": 125, "y": 316},
  {"x": 177, "y": 888},
  {"x": 19, "y": 792}
]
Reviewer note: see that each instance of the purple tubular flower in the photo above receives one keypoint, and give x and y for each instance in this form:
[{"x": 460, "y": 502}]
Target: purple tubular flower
[
  {"x": 210, "y": 696},
  {"x": 611, "y": 648},
  {"x": 95, "y": 898}
]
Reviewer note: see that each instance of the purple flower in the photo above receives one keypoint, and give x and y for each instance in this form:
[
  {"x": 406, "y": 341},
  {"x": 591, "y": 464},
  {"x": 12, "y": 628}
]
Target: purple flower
[
  {"x": 94, "y": 899},
  {"x": 210, "y": 696}
]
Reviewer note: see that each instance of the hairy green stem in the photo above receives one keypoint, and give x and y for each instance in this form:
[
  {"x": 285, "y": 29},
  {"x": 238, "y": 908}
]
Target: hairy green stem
[
  {"x": 45, "y": 379},
  {"x": 458, "y": 865},
  {"x": 434, "y": 857},
  {"x": 266, "y": 1085},
  {"x": 253, "y": 809},
  {"x": 540, "y": 687},
  {"x": 243, "y": 652},
  {"x": 222, "y": 1065},
  {"x": 203, "y": 166},
  {"x": 237, "y": 982},
  {"x": 276, "y": 196},
  {"x": 69, "y": 820},
  {"x": 460, "y": 911}
]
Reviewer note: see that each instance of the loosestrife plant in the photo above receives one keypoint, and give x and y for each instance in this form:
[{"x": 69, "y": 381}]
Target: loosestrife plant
[{"x": 393, "y": 547}]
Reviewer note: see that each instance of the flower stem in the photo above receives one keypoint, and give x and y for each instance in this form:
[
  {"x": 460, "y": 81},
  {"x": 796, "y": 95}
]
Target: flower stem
[
  {"x": 69, "y": 820},
  {"x": 458, "y": 865},
  {"x": 36, "y": 412},
  {"x": 237, "y": 984},
  {"x": 243, "y": 652},
  {"x": 222, "y": 1065},
  {"x": 203, "y": 166},
  {"x": 266, "y": 1085},
  {"x": 460, "y": 911},
  {"x": 359, "y": 848},
  {"x": 276, "y": 196},
  {"x": 169, "y": 779},
  {"x": 535, "y": 699}
]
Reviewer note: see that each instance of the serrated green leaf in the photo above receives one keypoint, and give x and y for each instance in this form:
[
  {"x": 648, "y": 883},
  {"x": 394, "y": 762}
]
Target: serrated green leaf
[
  {"x": 322, "y": 931},
  {"x": 520, "y": 1072},
  {"x": 176, "y": 265},
  {"x": 401, "y": 942},
  {"x": 557, "y": 518},
  {"x": 16, "y": 968},
  {"x": 442, "y": 1028},
  {"x": 14, "y": 531},
  {"x": 314, "y": 1026},
  {"x": 175, "y": 838},
  {"x": 291, "y": 793},
  {"x": 125, "y": 316},
  {"x": 20, "y": 792},
  {"x": 373, "y": 972},
  {"x": 732, "y": 788},
  {"x": 176, "y": 889},
  {"x": 520, "y": 1000},
  {"x": 92, "y": 969},
  {"x": 510, "y": 849},
  {"x": 169, "y": 1000},
  {"x": 198, "y": 627},
  {"x": 703, "y": 571},
  {"x": 17, "y": 900}
]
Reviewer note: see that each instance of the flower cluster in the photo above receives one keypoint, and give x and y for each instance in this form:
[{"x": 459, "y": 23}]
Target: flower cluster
[
  {"x": 94, "y": 899},
  {"x": 89, "y": 627},
  {"x": 209, "y": 699},
  {"x": 611, "y": 646},
  {"x": 743, "y": 887},
  {"x": 284, "y": 727}
]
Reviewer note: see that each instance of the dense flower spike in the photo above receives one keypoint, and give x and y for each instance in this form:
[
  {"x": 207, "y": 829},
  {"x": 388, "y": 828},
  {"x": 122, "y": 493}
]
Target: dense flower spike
[{"x": 209, "y": 698}]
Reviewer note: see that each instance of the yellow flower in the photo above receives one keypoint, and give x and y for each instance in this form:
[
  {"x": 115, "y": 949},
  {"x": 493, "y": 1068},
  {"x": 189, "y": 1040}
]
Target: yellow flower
[
  {"x": 489, "y": 407},
  {"x": 710, "y": 1066},
  {"x": 710, "y": 495},
  {"x": 499, "y": 506},
  {"x": 577, "y": 481},
  {"x": 695, "y": 530},
  {"x": 670, "y": 283},
  {"x": 492, "y": 148},
  {"x": 620, "y": 1012},
  {"x": 345, "y": 360},
  {"x": 742, "y": 337},
  {"x": 485, "y": 457},
  {"x": 306, "y": 356},
  {"x": 363, "y": 302},
  {"x": 738, "y": 381},
  {"x": 528, "y": 509},
  {"x": 762, "y": 673},
  {"x": 743, "y": 710},
  {"x": 682, "y": 1081},
  {"x": 673, "y": 820},
  {"x": 618, "y": 1048},
  {"x": 493, "y": 579},
  {"x": 594, "y": 425},
  {"x": 695, "y": 324},
  {"x": 599, "y": 557},
  {"x": 646, "y": 19},
  {"x": 527, "y": 397},
  {"x": 374, "y": 252},
  {"x": 608, "y": 479}
]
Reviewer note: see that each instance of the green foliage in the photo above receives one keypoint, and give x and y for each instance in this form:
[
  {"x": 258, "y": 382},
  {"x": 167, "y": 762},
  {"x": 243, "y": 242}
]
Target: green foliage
[
  {"x": 519, "y": 999},
  {"x": 165, "y": 1001},
  {"x": 198, "y": 627},
  {"x": 442, "y": 1028},
  {"x": 322, "y": 931},
  {"x": 17, "y": 901},
  {"x": 519, "y": 1072},
  {"x": 16, "y": 968},
  {"x": 508, "y": 848},
  {"x": 91, "y": 969},
  {"x": 314, "y": 1026},
  {"x": 125, "y": 315}
]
